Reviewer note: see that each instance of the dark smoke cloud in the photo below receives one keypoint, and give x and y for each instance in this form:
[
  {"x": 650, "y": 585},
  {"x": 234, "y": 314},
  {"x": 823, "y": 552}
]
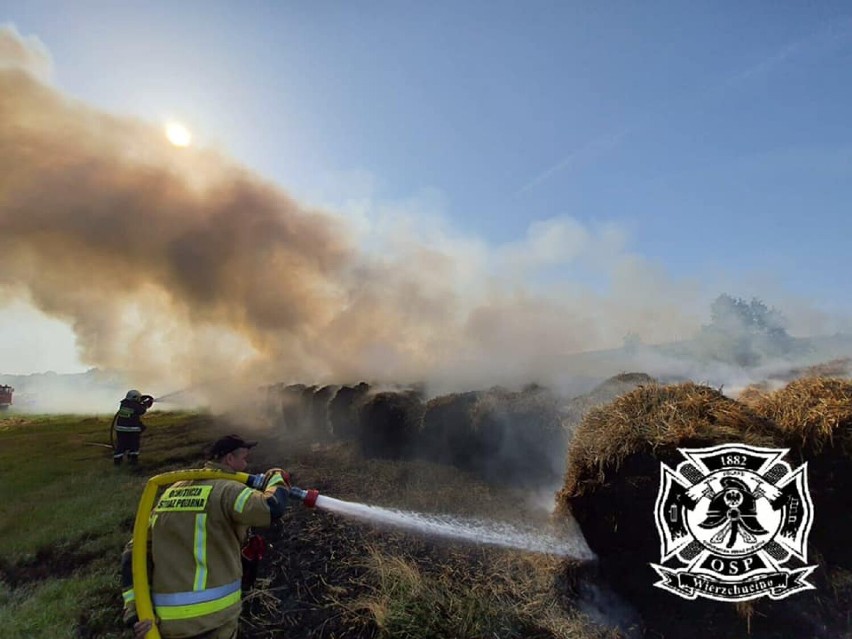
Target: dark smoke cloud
[
  {"x": 177, "y": 265},
  {"x": 105, "y": 225}
]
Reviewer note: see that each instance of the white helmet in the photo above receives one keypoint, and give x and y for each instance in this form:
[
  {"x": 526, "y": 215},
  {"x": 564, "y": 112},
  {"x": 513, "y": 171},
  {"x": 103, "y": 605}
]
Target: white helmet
[{"x": 134, "y": 395}]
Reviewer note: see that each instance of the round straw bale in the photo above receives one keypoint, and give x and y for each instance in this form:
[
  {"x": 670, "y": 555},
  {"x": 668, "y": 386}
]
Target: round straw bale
[
  {"x": 446, "y": 435},
  {"x": 319, "y": 410},
  {"x": 291, "y": 407},
  {"x": 753, "y": 393},
  {"x": 603, "y": 393},
  {"x": 274, "y": 404},
  {"x": 343, "y": 411},
  {"x": 519, "y": 437},
  {"x": 613, "y": 475},
  {"x": 840, "y": 367},
  {"x": 654, "y": 421},
  {"x": 814, "y": 415},
  {"x": 306, "y": 408},
  {"x": 389, "y": 424}
]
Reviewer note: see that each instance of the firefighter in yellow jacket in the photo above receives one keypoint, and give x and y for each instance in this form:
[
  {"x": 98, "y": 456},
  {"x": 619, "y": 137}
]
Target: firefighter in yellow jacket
[{"x": 197, "y": 529}]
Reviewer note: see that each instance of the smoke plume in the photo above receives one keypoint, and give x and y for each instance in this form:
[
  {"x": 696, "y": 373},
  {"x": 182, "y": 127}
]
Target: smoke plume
[{"x": 179, "y": 265}]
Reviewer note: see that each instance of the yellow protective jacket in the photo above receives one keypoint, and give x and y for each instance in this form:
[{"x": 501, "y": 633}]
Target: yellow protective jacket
[{"x": 196, "y": 531}]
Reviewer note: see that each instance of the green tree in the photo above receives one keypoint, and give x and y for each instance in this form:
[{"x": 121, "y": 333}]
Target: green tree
[{"x": 745, "y": 333}]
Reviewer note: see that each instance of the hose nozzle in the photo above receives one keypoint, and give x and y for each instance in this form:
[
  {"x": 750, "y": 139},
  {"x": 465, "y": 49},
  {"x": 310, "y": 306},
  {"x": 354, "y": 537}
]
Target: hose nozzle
[{"x": 307, "y": 497}]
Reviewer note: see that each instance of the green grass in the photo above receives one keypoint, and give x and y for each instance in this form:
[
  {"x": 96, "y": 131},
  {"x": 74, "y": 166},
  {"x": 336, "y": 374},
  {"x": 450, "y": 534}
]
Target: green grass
[
  {"x": 51, "y": 475},
  {"x": 67, "y": 511},
  {"x": 58, "y": 607}
]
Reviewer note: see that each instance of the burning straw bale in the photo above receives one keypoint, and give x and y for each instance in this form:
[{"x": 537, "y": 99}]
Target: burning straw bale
[
  {"x": 612, "y": 388},
  {"x": 611, "y": 486},
  {"x": 835, "y": 368},
  {"x": 841, "y": 367},
  {"x": 389, "y": 424},
  {"x": 293, "y": 407},
  {"x": 650, "y": 423},
  {"x": 273, "y": 403},
  {"x": 814, "y": 415},
  {"x": 343, "y": 411},
  {"x": 519, "y": 436},
  {"x": 753, "y": 393},
  {"x": 319, "y": 410},
  {"x": 447, "y": 435},
  {"x": 498, "y": 434},
  {"x": 613, "y": 472}
]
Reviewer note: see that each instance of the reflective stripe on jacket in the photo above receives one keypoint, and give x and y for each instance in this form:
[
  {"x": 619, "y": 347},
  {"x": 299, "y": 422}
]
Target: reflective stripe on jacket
[
  {"x": 197, "y": 529},
  {"x": 127, "y": 419}
]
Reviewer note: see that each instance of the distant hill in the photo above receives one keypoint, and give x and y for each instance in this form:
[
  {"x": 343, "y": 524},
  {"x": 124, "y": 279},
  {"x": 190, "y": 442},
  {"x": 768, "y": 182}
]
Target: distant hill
[
  {"x": 688, "y": 360},
  {"x": 93, "y": 391}
]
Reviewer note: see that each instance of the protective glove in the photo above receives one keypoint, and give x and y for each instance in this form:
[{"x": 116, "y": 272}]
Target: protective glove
[
  {"x": 142, "y": 628},
  {"x": 147, "y": 401},
  {"x": 275, "y": 476}
]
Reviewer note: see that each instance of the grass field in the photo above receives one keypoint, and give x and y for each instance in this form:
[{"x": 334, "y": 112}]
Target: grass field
[{"x": 66, "y": 514}]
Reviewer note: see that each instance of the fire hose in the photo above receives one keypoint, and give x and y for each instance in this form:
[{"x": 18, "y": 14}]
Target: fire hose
[{"x": 141, "y": 585}]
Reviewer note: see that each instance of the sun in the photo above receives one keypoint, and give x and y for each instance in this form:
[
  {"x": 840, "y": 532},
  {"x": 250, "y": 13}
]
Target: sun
[{"x": 178, "y": 134}]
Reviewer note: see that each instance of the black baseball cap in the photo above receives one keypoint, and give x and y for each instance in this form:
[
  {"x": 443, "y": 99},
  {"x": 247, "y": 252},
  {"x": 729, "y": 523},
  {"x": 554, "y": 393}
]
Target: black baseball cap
[{"x": 228, "y": 444}]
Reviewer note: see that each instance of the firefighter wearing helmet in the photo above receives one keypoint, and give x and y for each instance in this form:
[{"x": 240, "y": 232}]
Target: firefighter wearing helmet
[
  {"x": 194, "y": 557},
  {"x": 127, "y": 426}
]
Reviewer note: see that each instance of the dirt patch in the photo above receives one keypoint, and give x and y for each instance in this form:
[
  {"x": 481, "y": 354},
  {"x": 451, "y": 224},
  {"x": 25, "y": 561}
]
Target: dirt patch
[{"x": 49, "y": 563}]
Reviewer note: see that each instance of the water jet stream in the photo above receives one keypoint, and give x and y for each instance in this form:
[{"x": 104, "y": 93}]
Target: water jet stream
[{"x": 471, "y": 529}]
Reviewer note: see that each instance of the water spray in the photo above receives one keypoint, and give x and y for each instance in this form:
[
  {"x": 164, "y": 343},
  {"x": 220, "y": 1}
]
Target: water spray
[
  {"x": 462, "y": 528},
  {"x": 481, "y": 531},
  {"x": 467, "y": 529},
  {"x": 162, "y": 398}
]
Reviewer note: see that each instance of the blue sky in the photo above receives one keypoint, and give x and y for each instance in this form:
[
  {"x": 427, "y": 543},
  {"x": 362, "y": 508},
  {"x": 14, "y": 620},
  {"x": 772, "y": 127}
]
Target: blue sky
[{"x": 715, "y": 134}]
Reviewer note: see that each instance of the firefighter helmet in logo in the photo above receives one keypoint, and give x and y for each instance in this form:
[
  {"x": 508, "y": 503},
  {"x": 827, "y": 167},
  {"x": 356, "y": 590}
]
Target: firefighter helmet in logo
[{"x": 728, "y": 517}]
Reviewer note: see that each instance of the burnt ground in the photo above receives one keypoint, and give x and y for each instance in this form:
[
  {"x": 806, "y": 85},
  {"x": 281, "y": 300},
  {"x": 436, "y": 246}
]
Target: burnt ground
[
  {"x": 326, "y": 576},
  {"x": 318, "y": 579},
  {"x": 322, "y": 576}
]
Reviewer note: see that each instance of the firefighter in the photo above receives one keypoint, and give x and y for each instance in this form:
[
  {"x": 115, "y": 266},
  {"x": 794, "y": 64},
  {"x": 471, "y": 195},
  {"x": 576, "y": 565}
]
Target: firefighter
[
  {"x": 196, "y": 533},
  {"x": 128, "y": 426}
]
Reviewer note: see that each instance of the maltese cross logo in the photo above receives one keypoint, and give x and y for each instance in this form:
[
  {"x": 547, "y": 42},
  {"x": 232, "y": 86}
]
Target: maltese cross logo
[{"x": 728, "y": 518}]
